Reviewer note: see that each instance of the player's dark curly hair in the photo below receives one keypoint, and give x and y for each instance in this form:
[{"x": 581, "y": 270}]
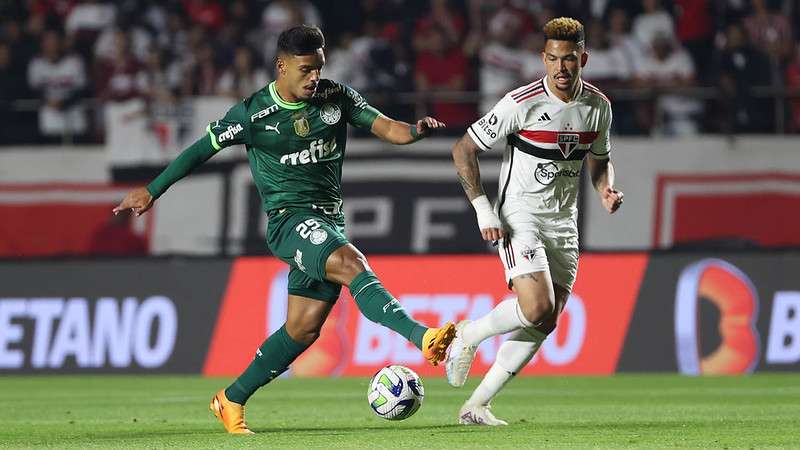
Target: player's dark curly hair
[{"x": 300, "y": 40}]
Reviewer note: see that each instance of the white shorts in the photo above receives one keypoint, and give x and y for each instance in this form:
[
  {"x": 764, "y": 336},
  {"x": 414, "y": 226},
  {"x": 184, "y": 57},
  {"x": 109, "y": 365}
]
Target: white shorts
[{"x": 527, "y": 250}]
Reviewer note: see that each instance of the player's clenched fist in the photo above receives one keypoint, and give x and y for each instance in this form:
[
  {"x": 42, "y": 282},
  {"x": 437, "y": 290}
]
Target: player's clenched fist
[
  {"x": 612, "y": 199},
  {"x": 138, "y": 200}
]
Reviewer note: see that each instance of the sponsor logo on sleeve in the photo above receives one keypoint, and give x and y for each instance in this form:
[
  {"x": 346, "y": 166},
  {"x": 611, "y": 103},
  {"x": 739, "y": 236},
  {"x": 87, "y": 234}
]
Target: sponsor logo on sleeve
[
  {"x": 358, "y": 100},
  {"x": 328, "y": 91},
  {"x": 489, "y": 126},
  {"x": 230, "y": 133}
]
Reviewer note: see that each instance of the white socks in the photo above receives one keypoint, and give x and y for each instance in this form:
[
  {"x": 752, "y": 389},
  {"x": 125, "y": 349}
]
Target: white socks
[
  {"x": 492, "y": 382},
  {"x": 511, "y": 358},
  {"x": 505, "y": 317}
]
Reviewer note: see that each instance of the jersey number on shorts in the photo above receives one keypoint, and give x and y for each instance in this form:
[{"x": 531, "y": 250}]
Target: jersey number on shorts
[{"x": 305, "y": 228}]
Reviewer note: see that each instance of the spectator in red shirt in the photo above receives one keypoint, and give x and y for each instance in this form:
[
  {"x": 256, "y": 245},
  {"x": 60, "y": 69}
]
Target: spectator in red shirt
[
  {"x": 694, "y": 30},
  {"x": 770, "y": 31},
  {"x": 122, "y": 76},
  {"x": 442, "y": 69},
  {"x": 205, "y": 12},
  {"x": 449, "y": 23}
]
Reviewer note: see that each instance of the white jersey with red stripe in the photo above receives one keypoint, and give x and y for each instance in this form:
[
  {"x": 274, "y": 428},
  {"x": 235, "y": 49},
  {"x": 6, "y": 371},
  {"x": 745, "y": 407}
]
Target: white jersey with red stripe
[{"x": 546, "y": 142}]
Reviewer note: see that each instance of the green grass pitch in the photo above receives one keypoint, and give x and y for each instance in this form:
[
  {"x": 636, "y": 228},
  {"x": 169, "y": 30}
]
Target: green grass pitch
[{"x": 633, "y": 411}]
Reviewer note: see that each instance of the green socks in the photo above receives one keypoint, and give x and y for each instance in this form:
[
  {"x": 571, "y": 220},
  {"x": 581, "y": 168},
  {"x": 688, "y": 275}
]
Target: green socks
[
  {"x": 279, "y": 350},
  {"x": 378, "y": 305},
  {"x": 271, "y": 360}
]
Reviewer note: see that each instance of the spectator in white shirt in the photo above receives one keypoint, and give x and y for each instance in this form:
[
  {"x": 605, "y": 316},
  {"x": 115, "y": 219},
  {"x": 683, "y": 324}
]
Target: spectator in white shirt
[
  {"x": 667, "y": 66},
  {"x": 652, "y": 22},
  {"x": 609, "y": 65},
  {"x": 622, "y": 40},
  {"x": 85, "y": 21},
  {"x": 60, "y": 81},
  {"x": 140, "y": 40},
  {"x": 282, "y": 14},
  {"x": 502, "y": 59}
]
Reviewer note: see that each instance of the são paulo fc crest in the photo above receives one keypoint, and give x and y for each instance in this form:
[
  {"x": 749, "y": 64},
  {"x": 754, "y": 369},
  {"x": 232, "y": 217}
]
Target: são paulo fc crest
[
  {"x": 330, "y": 113},
  {"x": 301, "y": 127},
  {"x": 567, "y": 142},
  {"x": 528, "y": 253}
]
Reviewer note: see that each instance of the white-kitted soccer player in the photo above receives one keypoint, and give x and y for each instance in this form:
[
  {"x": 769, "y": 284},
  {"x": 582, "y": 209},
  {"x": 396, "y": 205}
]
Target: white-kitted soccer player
[{"x": 550, "y": 127}]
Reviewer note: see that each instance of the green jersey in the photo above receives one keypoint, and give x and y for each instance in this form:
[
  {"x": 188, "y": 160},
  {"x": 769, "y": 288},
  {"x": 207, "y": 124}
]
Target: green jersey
[{"x": 295, "y": 149}]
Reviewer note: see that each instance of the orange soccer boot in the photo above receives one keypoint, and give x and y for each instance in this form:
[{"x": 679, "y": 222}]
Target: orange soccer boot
[
  {"x": 229, "y": 413},
  {"x": 435, "y": 342}
]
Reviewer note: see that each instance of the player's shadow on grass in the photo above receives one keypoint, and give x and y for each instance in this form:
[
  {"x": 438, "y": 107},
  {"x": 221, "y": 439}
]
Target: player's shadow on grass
[
  {"x": 195, "y": 431},
  {"x": 448, "y": 428}
]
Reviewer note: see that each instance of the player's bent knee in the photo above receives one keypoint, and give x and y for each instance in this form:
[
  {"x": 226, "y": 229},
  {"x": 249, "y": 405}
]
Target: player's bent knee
[
  {"x": 306, "y": 337},
  {"x": 537, "y": 309},
  {"x": 344, "y": 264},
  {"x": 548, "y": 325},
  {"x": 303, "y": 333}
]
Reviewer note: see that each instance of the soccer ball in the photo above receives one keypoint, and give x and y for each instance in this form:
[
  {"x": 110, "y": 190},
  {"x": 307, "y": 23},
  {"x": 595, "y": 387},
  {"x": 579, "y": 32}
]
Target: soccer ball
[{"x": 395, "y": 393}]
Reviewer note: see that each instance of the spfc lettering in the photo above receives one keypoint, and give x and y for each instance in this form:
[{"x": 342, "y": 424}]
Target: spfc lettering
[{"x": 567, "y": 142}]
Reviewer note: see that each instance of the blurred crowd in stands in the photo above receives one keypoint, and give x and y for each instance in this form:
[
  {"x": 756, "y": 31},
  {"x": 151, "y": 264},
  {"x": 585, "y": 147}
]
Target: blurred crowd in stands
[{"x": 671, "y": 67}]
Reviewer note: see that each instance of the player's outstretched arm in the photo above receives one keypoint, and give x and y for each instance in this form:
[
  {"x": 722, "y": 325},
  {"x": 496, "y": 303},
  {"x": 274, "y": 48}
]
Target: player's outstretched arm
[
  {"x": 400, "y": 133},
  {"x": 465, "y": 157},
  {"x": 141, "y": 199},
  {"x": 602, "y": 172}
]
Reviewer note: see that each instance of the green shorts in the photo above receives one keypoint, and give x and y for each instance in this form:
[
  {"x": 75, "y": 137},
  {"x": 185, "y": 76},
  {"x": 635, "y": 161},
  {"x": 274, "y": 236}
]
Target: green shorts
[{"x": 304, "y": 238}]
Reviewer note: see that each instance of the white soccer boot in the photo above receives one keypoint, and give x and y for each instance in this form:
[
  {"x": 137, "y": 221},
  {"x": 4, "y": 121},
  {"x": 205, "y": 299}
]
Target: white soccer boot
[
  {"x": 459, "y": 360},
  {"x": 478, "y": 415}
]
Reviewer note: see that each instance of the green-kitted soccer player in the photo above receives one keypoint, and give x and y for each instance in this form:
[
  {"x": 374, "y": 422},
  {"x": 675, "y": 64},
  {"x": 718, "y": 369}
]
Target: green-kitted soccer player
[{"x": 295, "y": 133}]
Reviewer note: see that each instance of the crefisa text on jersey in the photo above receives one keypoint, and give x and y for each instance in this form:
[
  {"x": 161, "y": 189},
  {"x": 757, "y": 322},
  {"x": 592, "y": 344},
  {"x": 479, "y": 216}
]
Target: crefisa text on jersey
[
  {"x": 230, "y": 132},
  {"x": 319, "y": 150}
]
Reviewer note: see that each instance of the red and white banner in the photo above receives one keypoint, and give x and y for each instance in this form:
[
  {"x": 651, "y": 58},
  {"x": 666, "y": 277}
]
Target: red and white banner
[
  {"x": 433, "y": 290},
  {"x": 763, "y": 208},
  {"x": 68, "y": 219}
]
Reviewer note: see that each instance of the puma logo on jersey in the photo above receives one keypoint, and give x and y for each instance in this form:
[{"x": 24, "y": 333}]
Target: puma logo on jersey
[
  {"x": 544, "y": 117},
  {"x": 318, "y": 151},
  {"x": 273, "y": 128}
]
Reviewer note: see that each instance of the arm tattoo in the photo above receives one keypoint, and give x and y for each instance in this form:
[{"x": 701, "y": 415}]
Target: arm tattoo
[
  {"x": 469, "y": 174},
  {"x": 529, "y": 275},
  {"x": 467, "y": 185}
]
